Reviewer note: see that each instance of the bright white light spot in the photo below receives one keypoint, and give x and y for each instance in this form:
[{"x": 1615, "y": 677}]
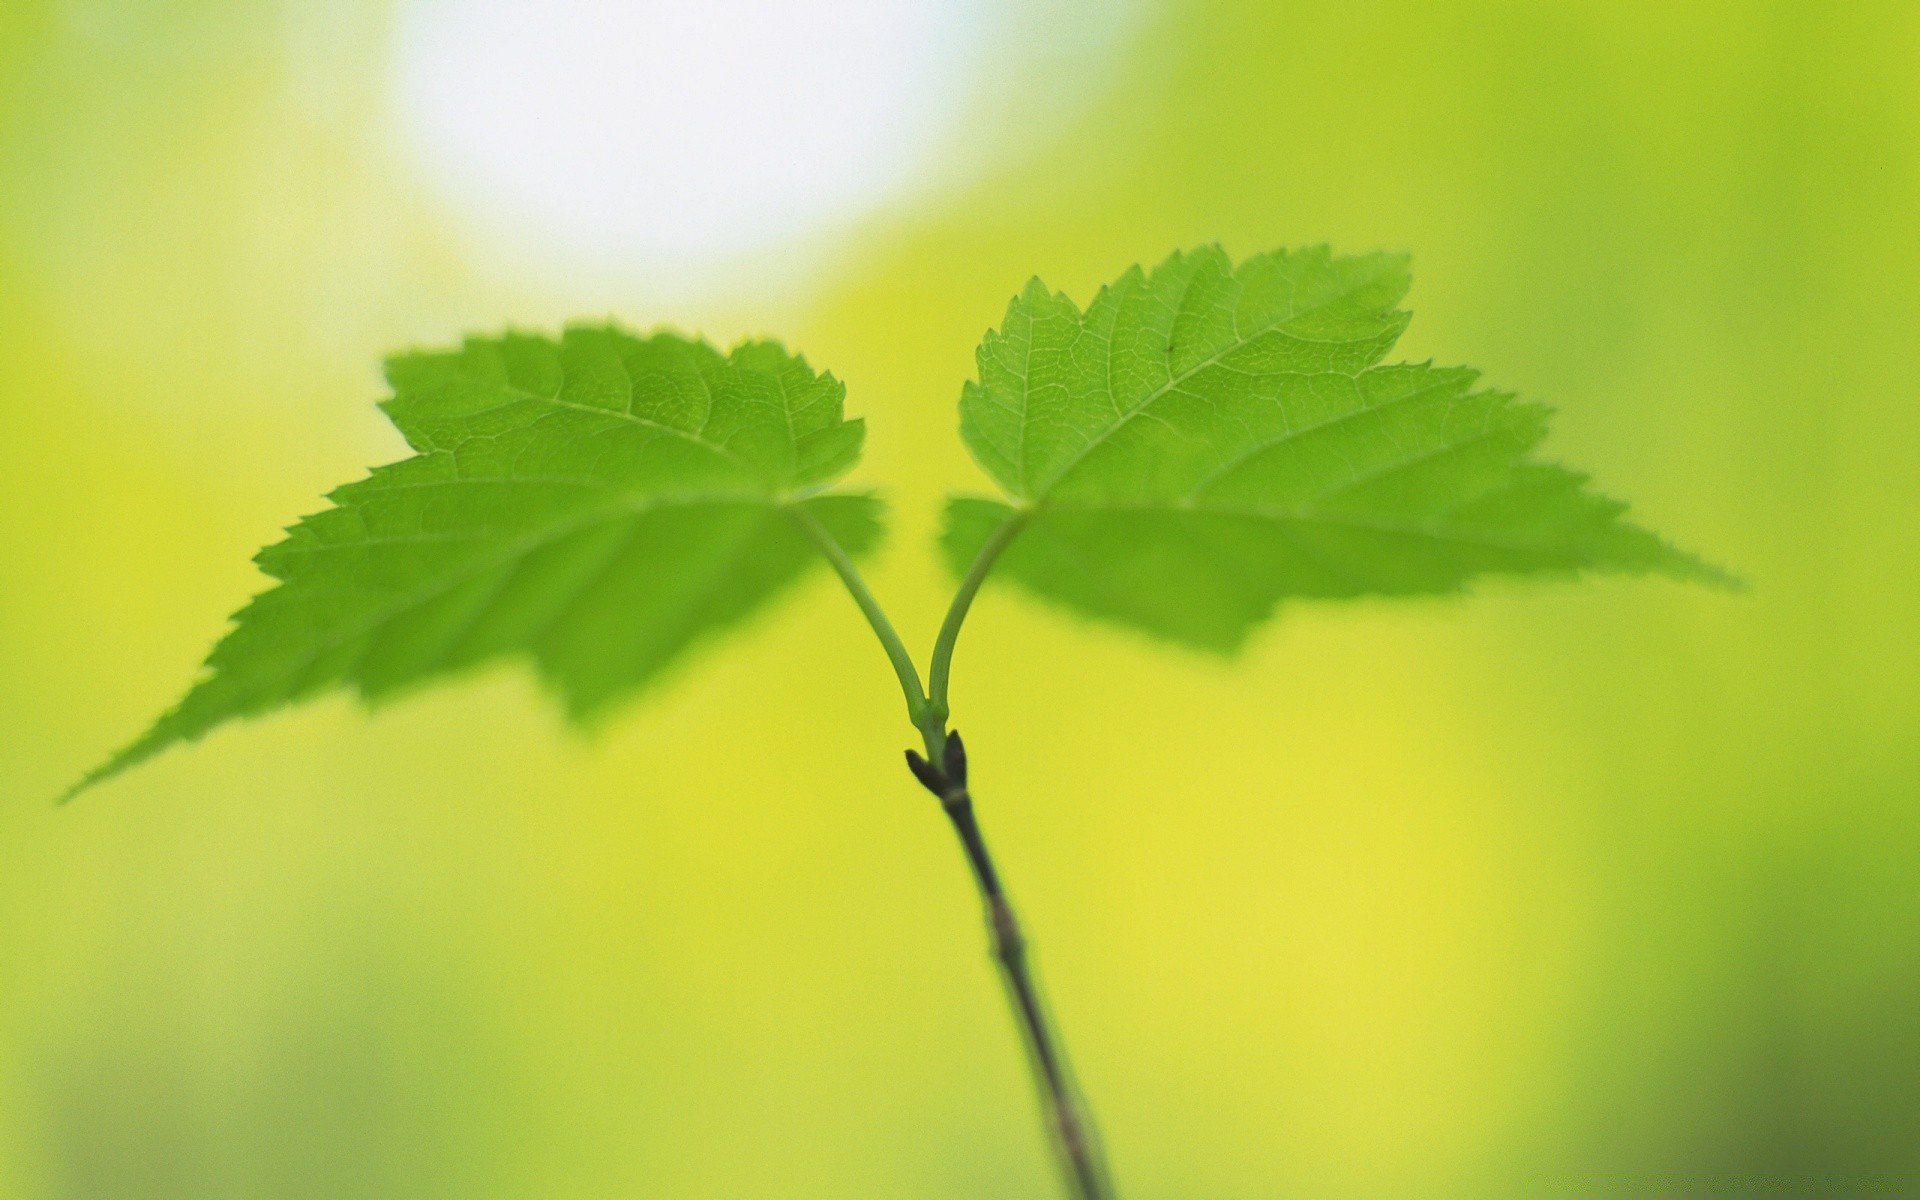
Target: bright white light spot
[{"x": 636, "y": 131}]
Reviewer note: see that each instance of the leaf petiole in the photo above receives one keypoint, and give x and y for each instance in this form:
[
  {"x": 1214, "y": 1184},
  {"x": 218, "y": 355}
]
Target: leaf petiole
[
  {"x": 926, "y": 709},
  {"x": 940, "y": 668},
  {"x": 842, "y": 563}
]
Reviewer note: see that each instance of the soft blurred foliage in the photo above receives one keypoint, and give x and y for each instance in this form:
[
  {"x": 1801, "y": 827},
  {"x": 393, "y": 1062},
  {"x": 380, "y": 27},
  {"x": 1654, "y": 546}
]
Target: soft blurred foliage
[{"x": 1567, "y": 890}]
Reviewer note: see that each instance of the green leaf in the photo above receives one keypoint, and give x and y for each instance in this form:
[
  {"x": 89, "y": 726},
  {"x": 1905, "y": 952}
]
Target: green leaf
[
  {"x": 597, "y": 504},
  {"x": 1205, "y": 440}
]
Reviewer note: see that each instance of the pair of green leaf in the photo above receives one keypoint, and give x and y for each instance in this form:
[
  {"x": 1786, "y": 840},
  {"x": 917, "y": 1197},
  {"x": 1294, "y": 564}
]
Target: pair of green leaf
[{"x": 1201, "y": 442}]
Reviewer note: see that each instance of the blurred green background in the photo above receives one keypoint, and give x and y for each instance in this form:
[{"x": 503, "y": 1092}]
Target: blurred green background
[{"x": 1562, "y": 890}]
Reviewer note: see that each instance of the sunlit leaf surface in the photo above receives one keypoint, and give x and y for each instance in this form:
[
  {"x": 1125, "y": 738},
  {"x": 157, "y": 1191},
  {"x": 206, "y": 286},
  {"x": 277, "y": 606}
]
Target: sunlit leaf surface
[
  {"x": 597, "y": 504},
  {"x": 1205, "y": 440}
]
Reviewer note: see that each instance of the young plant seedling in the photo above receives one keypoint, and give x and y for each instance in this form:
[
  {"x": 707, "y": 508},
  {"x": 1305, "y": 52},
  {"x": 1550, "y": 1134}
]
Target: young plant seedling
[{"x": 1199, "y": 443}]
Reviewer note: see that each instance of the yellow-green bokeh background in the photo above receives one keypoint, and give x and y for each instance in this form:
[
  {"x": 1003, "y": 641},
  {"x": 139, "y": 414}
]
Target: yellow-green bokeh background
[{"x": 1538, "y": 892}]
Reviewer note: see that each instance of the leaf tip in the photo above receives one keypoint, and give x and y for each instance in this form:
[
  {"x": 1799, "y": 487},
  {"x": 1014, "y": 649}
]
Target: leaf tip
[
  {"x": 137, "y": 752},
  {"x": 1662, "y": 557},
  {"x": 1713, "y": 575}
]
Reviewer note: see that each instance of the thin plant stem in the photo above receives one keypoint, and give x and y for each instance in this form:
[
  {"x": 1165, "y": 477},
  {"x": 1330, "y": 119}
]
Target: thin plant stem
[
  {"x": 944, "y": 773},
  {"x": 1069, "y": 1130}
]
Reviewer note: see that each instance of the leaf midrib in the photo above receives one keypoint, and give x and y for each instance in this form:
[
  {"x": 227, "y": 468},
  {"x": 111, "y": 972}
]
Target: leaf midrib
[
  {"x": 522, "y": 395},
  {"x": 1290, "y": 436},
  {"x": 520, "y": 548},
  {"x": 1288, "y": 516},
  {"x": 1175, "y": 380}
]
